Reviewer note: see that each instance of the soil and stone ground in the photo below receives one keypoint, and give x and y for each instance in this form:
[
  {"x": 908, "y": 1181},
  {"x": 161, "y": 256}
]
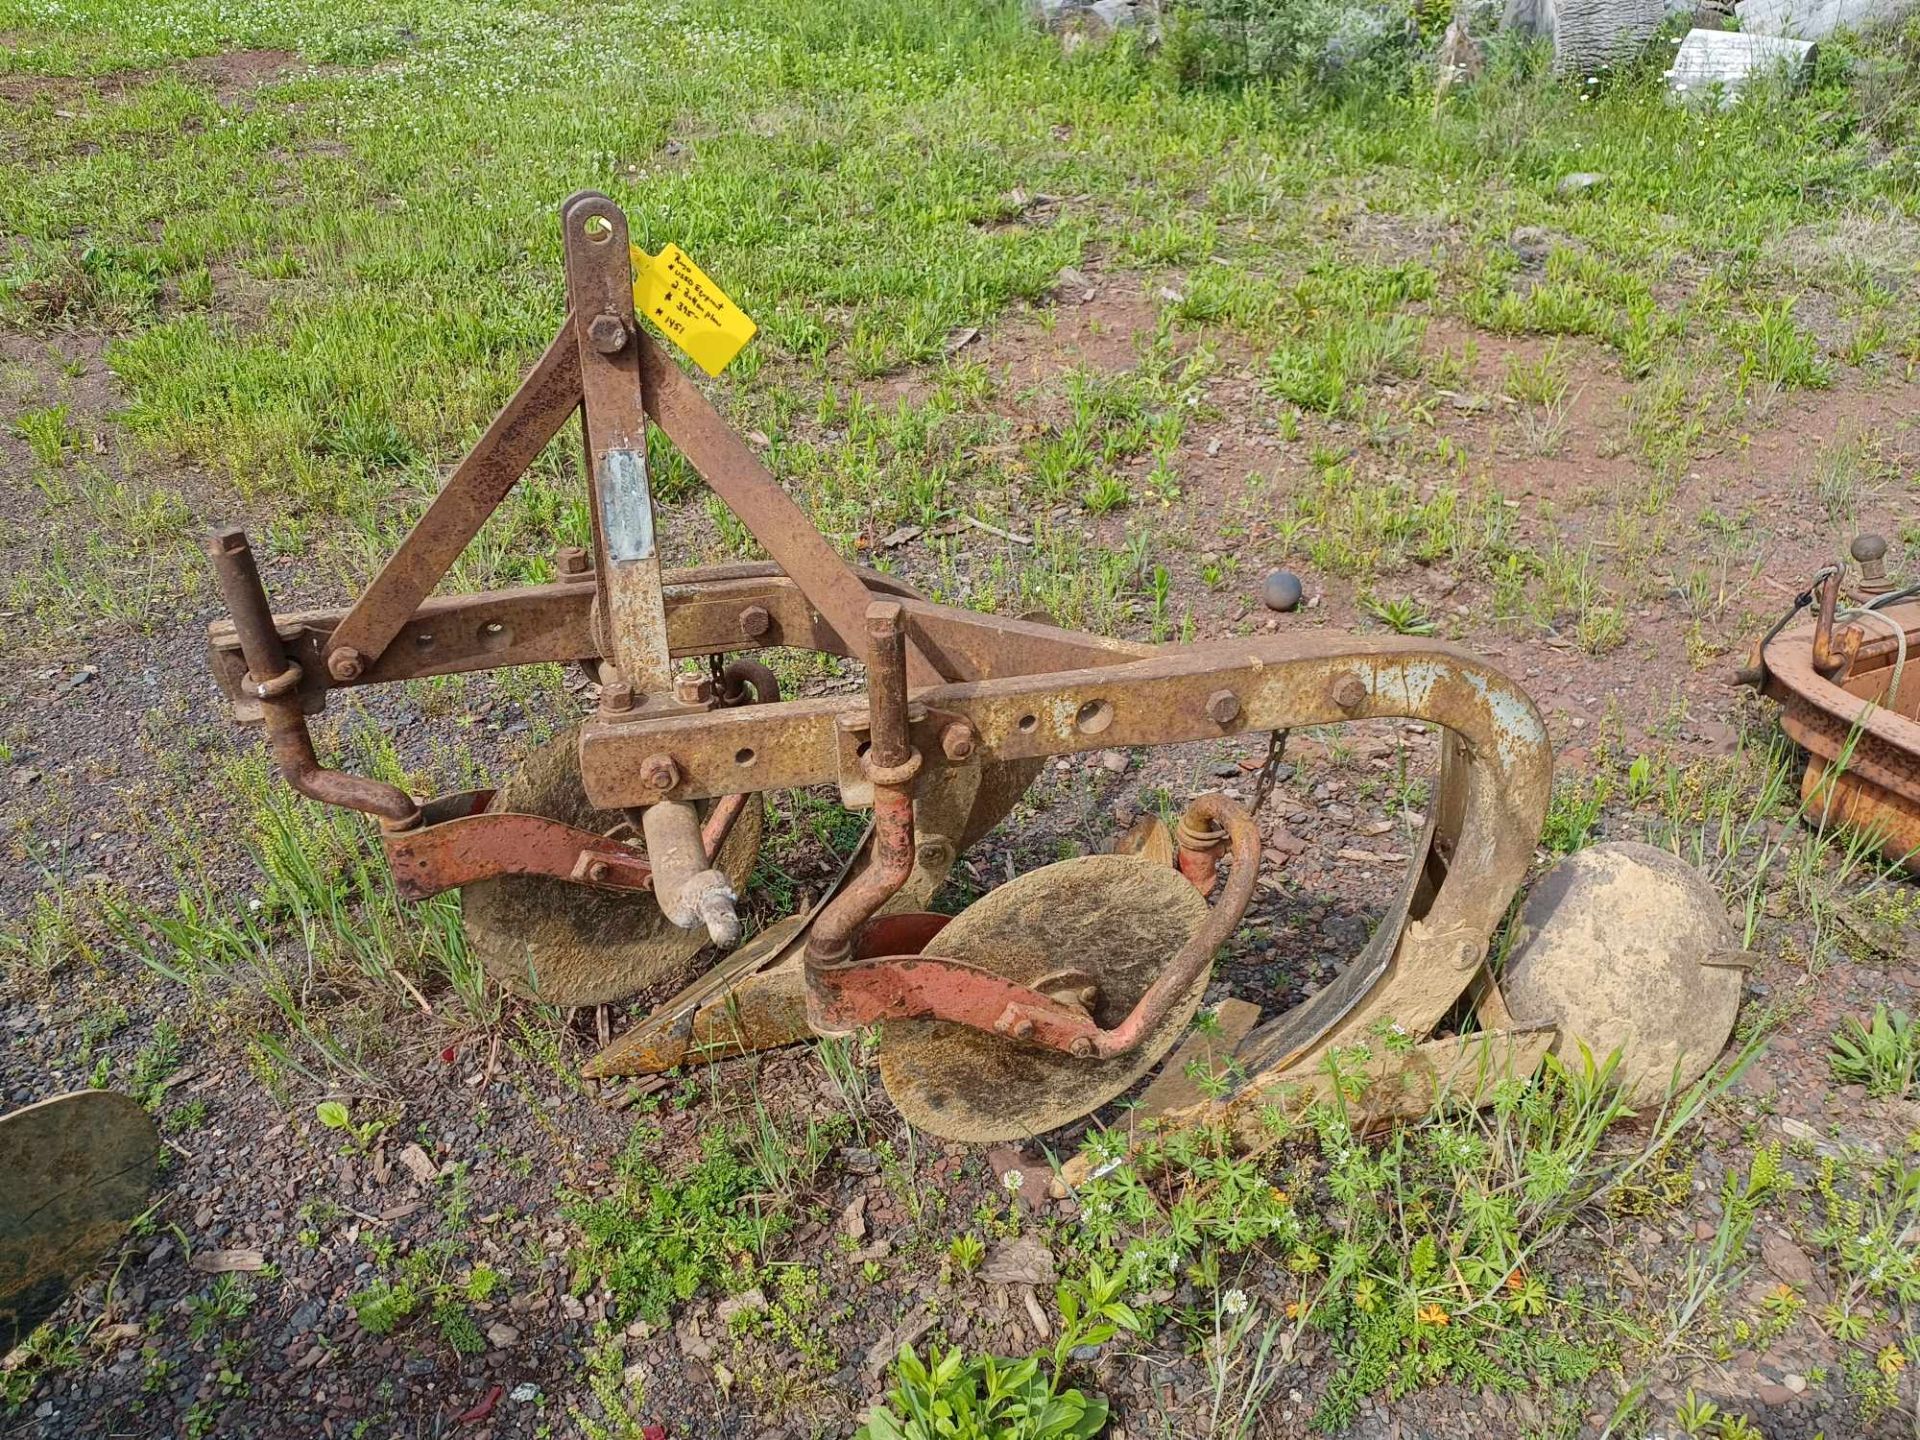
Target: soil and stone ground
[{"x": 119, "y": 766}]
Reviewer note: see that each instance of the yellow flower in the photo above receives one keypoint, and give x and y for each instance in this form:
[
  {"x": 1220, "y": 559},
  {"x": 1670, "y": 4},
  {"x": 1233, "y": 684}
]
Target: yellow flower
[
  {"x": 1293, "y": 1309},
  {"x": 1280, "y": 1196},
  {"x": 1432, "y": 1315}
]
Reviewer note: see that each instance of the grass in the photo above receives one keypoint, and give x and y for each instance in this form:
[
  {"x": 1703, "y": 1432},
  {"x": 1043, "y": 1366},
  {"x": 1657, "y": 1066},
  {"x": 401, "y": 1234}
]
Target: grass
[
  {"x": 313, "y": 291},
  {"x": 1419, "y": 1257},
  {"x": 325, "y": 354}
]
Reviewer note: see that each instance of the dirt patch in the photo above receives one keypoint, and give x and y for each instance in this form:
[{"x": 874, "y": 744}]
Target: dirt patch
[{"x": 231, "y": 77}]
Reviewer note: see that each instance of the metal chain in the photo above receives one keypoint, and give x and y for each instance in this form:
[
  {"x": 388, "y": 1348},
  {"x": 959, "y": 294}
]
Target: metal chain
[{"x": 1269, "y": 769}]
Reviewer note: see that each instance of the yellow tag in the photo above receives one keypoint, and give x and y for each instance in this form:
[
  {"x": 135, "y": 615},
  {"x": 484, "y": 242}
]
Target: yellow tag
[{"x": 690, "y": 310}]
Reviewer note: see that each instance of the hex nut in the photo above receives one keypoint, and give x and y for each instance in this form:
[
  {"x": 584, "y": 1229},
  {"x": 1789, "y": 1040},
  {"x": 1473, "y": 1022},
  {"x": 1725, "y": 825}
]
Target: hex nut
[
  {"x": 1349, "y": 692},
  {"x": 608, "y": 334},
  {"x": 755, "y": 621},
  {"x": 571, "y": 560},
  {"x": 1223, "y": 707},
  {"x": 691, "y": 689},
  {"x": 658, "y": 772},
  {"x": 957, "y": 740},
  {"x": 346, "y": 663},
  {"x": 616, "y": 697}
]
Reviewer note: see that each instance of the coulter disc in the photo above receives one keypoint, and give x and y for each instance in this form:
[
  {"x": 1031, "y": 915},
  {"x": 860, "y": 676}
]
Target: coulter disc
[
  {"x": 570, "y": 944},
  {"x": 1117, "y": 918},
  {"x": 74, "y": 1172},
  {"x": 1625, "y": 947}
]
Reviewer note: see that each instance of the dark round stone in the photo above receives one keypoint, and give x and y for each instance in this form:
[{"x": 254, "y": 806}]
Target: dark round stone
[{"x": 1281, "y": 590}]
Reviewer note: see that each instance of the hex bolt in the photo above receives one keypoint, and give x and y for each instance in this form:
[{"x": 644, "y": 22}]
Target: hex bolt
[
  {"x": 570, "y": 560},
  {"x": 658, "y": 772},
  {"x": 957, "y": 740},
  {"x": 346, "y": 663},
  {"x": 755, "y": 621},
  {"x": 1223, "y": 706},
  {"x": 691, "y": 689},
  {"x": 1022, "y": 1028},
  {"x": 616, "y": 697},
  {"x": 1870, "y": 554},
  {"x": 1082, "y": 1047},
  {"x": 1349, "y": 692},
  {"x": 608, "y": 334},
  {"x": 598, "y": 871}
]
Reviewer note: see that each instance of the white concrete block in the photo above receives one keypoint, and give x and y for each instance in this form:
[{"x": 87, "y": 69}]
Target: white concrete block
[{"x": 1724, "y": 62}]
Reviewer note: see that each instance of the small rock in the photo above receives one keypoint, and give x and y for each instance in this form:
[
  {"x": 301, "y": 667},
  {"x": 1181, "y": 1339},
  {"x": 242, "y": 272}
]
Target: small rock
[
  {"x": 1024, "y": 1260},
  {"x": 693, "y": 1344},
  {"x": 419, "y": 1165},
  {"x": 1796, "y": 1383},
  {"x": 1580, "y": 182},
  {"x": 501, "y": 1335},
  {"x": 853, "y": 1219},
  {"x": 524, "y": 1393},
  {"x": 1114, "y": 760},
  {"x": 1786, "y": 1260},
  {"x": 219, "y": 1262},
  {"x": 747, "y": 1302}
]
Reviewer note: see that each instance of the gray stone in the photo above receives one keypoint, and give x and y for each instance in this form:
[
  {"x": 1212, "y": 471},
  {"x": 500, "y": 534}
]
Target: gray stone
[{"x": 1817, "y": 19}]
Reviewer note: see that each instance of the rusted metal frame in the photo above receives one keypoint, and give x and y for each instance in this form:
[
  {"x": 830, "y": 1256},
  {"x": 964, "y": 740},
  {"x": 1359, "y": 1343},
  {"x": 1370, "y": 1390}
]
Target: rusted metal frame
[
  {"x": 446, "y": 853},
  {"x": 526, "y": 423},
  {"x": 734, "y": 473},
  {"x": 1879, "y": 743},
  {"x": 458, "y": 841},
  {"x": 915, "y": 985},
  {"x": 710, "y": 611},
  {"x": 433, "y": 858},
  {"x": 1175, "y": 695},
  {"x": 631, "y": 607},
  {"x": 448, "y": 635},
  {"x": 1483, "y": 824},
  {"x": 891, "y": 764},
  {"x": 274, "y": 682}
]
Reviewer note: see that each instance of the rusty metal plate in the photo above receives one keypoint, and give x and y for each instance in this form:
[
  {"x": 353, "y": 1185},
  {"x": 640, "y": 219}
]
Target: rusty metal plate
[{"x": 74, "y": 1172}]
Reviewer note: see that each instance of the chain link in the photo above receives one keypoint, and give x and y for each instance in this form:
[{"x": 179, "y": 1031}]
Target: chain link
[{"x": 1269, "y": 769}]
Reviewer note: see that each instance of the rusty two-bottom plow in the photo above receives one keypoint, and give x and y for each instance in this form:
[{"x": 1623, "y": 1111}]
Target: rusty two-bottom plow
[{"x": 616, "y": 854}]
